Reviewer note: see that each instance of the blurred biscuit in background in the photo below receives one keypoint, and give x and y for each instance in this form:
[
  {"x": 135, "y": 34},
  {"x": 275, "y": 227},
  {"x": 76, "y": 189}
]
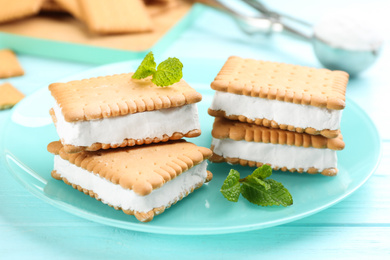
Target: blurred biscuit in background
[
  {"x": 9, "y": 65},
  {"x": 9, "y": 96},
  {"x": 11, "y": 10}
]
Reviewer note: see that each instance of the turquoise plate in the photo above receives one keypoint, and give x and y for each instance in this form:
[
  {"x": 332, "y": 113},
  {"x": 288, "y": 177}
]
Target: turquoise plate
[{"x": 29, "y": 130}]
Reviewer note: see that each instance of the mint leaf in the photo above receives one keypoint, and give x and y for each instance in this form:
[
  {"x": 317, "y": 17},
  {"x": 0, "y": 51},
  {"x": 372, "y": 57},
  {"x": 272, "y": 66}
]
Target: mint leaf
[
  {"x": 262, "y": 172},
  {"x": 146, "y": 68},
  {"x": 258, "y": 181},
  {"x": 276, "y": 195},
  {"x": 256, "y": 189},
  {"x": 231, "y": 186},
  {"x": 168, "y": 72}
]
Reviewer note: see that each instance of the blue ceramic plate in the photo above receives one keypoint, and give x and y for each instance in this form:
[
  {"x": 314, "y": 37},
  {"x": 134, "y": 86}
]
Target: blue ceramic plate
[{"x": 206, "y": 211}]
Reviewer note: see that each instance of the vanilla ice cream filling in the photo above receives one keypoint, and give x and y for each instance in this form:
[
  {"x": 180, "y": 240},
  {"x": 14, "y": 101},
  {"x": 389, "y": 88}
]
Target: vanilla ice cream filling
[
  {"x": 114, "y": 130},
  {"x": 116, "y": 195},
  {"x": 276, "y": 154},
  {"x": 285, "y": 113}
]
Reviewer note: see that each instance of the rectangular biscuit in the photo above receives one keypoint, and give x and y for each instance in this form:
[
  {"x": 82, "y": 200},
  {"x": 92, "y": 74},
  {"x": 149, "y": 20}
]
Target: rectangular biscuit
[
  {"x": 119, "y": 16},
  {"x": 279, "y": 95},
  {"x": 13, "y": 10},
  {"x": 250, "y": 144},
  {"x": 142, "y": 181},
  {"x": 71, "y": 6},
  {"x": 102, "y": 113},
  {"x": 9, "y": 96},
  {"x": 9, "y": 64}
]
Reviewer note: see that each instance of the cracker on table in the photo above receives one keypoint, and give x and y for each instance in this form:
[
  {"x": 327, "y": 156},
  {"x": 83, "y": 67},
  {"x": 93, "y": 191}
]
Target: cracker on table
[
  {"x": 118, "y": 95},
  {"x": 283, "y": 82},
  {"x": 119, "y": 16},
  {"x": 9, "y": 64},
  {"x": 11, "y": 10},
  {"x": 9, "y": 96}
]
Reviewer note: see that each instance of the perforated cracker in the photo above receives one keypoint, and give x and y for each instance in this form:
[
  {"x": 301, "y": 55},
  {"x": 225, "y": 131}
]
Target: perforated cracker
[
  {"x": 238, "y": 131},
  {"x": 283, "y": 82},
  {"x": 140, "y": 168},
  {"x": 118, "y": 95},
  {"x": 119, "y": 16},
  {"x": 273, "y": 124},
  {"x": 9, "y": 64},
  {"x": 11, "y": 10},
  {"x": 9, "y": 96}
]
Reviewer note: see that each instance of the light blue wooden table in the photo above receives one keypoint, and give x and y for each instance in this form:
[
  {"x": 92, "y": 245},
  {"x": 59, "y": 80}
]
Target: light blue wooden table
[{"x": 356, "y": 228}]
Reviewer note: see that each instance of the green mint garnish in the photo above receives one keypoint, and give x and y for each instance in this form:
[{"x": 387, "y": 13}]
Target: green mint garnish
[
  {"x": 231, "y": 186},
  {"x": 147, "y": 67},
  {"x": 167, "y": 73},
  {"x": 256, "y": 188}
]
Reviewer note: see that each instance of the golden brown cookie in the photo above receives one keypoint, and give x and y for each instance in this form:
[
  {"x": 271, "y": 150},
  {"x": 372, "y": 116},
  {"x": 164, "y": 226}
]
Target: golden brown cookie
[
  {"x": 224, "y": 128},
  {"x": 283, "y": 82},
  {"x": 118, "y": 95},
  {"x": 9, "y": 64},
  {"x": 273, "y": 124},
  {"x": 13, "y": 10},
  {"x": 140, "y": 169},
  {"x": 119, "y": 16},
  {"x": 9, "y": 96}
]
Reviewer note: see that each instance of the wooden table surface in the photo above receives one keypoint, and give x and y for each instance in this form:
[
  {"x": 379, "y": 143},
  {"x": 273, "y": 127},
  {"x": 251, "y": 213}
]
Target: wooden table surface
[{"x": 356, "y": 228}]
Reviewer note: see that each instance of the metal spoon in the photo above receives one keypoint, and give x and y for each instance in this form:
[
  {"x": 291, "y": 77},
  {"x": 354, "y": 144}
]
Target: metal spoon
[
  {"x": 249, "y": 24},
  {"x": 331, "y": 56}
]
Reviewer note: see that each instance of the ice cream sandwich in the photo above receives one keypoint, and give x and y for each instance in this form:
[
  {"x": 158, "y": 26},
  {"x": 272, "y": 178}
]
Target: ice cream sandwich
[
  {"x": 249, "y": 144},
  {"x": 280, "y": 96},
  {"x": 140, "y": 180},
  {"x": 118, "y": 111}
]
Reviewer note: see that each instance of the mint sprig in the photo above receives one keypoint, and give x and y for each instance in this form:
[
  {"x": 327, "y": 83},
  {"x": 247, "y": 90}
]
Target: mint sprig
[
  {"x": 231, "y": 186},
  {"x": 146, "y": 68},
  {"x": 167, "y": 73},
  {"x": 256, "y": 188}
]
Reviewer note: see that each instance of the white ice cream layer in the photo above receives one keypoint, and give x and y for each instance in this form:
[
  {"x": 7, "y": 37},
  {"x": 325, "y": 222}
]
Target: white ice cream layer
[
  {"x": 276, "y": 154},
  {"x": 114, "y": 130},
  {"x": 115, "y": 195},
  {"x": 282, "y": 112}
]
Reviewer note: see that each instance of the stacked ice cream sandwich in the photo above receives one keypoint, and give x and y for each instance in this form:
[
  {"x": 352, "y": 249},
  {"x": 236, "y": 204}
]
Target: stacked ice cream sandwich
[
  {"x": 279, "y": 114},
  {"x": 119, "y": 142}
]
